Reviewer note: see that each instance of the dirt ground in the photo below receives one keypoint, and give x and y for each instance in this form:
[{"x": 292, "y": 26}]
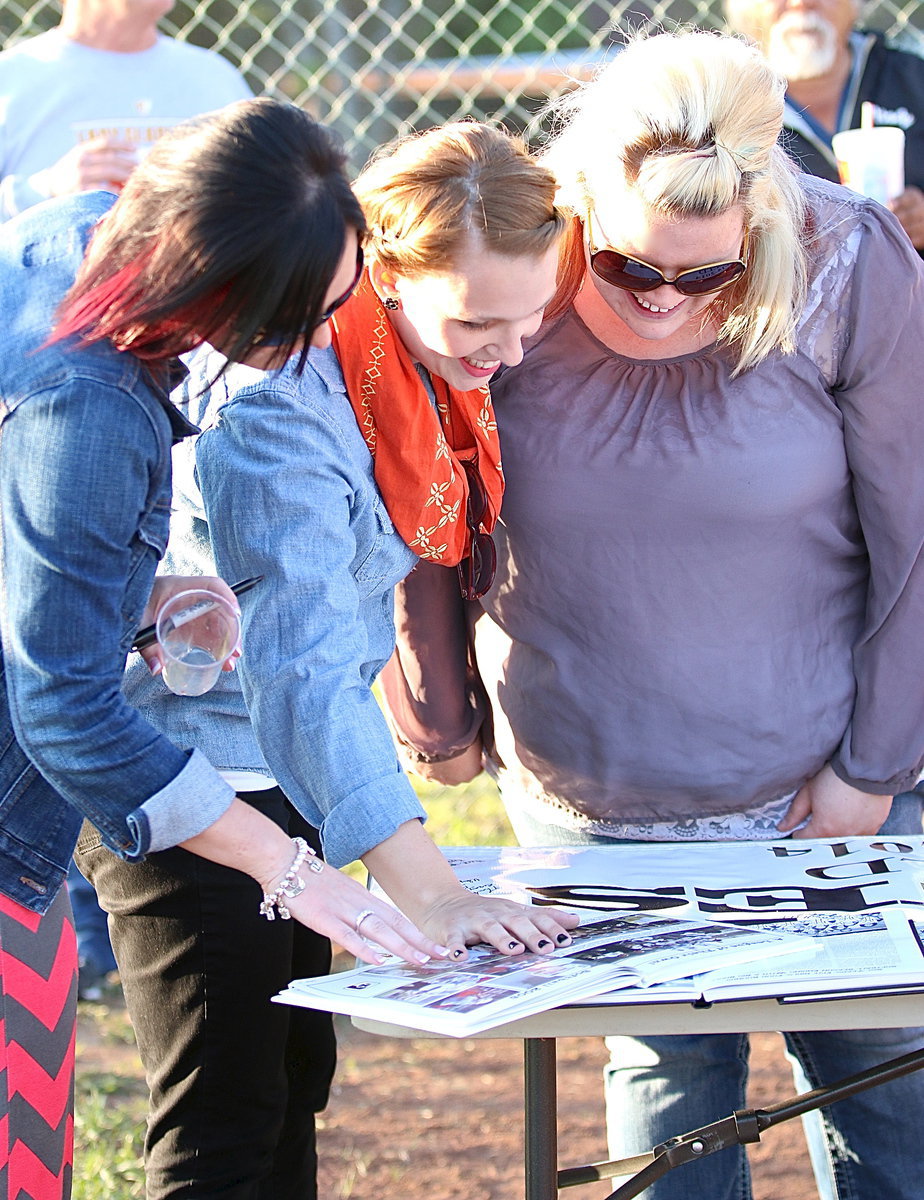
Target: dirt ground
[
  {"x": 442, "y": 1120},
  {"x": 435, "y": 1119}
]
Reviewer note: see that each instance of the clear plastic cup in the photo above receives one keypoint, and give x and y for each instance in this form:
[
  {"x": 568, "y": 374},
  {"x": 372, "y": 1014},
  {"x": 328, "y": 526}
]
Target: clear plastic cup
[
  {"x": 140, "y": 132},
  {"x": 197, "y": 631}
]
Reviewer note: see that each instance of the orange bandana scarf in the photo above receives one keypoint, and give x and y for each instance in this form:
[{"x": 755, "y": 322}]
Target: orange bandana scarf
[{"x": 417, "y": 449}]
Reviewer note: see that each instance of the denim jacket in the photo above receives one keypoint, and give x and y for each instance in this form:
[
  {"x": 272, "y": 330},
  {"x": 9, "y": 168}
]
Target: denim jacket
[
  {"x": 287, "y": 492},
  {"x": 85, "y": 440}
]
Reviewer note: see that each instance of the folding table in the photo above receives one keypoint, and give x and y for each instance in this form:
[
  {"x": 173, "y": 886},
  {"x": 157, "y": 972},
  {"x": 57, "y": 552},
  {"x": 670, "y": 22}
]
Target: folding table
[{"x": 539, "y": 1034}]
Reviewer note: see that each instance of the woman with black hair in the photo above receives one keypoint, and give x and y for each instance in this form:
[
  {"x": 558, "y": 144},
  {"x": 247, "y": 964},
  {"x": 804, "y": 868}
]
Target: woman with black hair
[{"x": 240, "y": 228}]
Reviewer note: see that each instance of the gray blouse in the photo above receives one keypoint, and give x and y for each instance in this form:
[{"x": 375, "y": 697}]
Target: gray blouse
[{"x": 710, "y": 587}]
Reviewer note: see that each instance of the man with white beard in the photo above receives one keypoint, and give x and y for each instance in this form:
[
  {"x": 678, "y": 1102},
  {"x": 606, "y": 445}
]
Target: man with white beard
[{"x": 832, "y": 68}]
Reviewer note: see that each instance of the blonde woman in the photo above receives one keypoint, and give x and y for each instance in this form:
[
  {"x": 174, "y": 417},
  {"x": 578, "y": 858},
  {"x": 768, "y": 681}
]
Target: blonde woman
[
  {"x": 706, "y": 617},
  {"x": 331, "y": 483}
]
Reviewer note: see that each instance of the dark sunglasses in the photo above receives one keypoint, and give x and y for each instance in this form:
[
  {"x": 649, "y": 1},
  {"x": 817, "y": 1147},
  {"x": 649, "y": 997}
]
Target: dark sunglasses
[
  {"x": 634, "y": 275},
  {"x": 341, "y": 300},
  {"x": 279, "y": 339},
  {"x": 478, "y": 568}
]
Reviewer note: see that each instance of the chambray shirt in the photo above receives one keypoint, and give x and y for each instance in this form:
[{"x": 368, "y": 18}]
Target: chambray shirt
[
  {"x": 85, "y": 440},
  {"x": 280, "y": 484}
]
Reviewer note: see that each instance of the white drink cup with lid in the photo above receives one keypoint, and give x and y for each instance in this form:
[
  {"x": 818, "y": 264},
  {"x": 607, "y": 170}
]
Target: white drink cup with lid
[{"x": 872, "y": 161}]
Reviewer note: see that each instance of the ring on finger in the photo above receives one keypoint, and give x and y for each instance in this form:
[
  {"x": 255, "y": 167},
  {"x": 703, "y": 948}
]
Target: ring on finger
[{"x": 367, "y": 912}]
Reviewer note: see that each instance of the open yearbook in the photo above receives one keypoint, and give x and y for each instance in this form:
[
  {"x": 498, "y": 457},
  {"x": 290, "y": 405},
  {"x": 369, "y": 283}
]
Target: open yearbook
[
  {"x": 667, "y": 922},
  {"x": 860, "y": 900},
  {"x": 490, "y": 988}
]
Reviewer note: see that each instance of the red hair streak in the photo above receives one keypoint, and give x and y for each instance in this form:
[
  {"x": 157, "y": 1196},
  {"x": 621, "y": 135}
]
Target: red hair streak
[
  {"x": 115, "y": 309},
  {"x": 87, "y": 313}
]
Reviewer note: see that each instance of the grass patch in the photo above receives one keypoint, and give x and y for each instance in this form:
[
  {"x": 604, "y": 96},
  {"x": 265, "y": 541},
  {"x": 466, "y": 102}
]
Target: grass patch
[
  {"x": 109, "y": 1123},
  {"x": 466, "y": 816}
]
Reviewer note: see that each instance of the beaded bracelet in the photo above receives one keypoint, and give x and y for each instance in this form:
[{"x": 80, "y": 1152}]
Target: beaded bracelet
[{"x": 292, "y": 884}]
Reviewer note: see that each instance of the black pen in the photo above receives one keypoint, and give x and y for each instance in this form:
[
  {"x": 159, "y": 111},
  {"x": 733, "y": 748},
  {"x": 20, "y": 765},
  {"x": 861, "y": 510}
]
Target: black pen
[{"x": 148, "y": 635}]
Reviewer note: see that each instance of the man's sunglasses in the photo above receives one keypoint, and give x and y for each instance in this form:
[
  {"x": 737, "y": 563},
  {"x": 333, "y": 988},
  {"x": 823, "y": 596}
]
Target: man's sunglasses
[
  {"x": 634, "y": 275},
  {"x": 478, "y": 568}
]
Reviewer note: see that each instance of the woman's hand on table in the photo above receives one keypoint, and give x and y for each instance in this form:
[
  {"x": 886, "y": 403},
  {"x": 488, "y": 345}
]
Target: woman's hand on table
[
  {"x": 463, "y": 919},
  {"x": 334, "y": 904},
  {"x": 420, "y": 881},
  {"x": 832, "y": 808}
]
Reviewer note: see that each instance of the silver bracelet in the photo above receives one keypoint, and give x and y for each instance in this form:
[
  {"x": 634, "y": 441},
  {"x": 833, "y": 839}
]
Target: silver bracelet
[{"x": 292, "y": 884}]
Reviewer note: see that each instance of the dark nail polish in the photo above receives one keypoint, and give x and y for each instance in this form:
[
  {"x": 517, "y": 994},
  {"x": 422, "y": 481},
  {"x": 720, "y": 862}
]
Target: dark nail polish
[
  {"x": 457, "y": 953},
  {"x": 512, "y": 945},
  {"x": 562, "y": 938},
  {"x": 544, "y": 942}
]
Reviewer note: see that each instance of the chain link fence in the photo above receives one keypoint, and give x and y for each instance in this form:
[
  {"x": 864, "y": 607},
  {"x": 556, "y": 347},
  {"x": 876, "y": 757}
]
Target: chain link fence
[{"x": 375, "y": 68}]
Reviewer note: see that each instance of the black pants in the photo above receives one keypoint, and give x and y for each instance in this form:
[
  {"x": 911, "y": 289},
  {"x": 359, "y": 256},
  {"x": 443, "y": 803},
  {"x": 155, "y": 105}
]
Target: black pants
[{"x": 235, "y": 1080}]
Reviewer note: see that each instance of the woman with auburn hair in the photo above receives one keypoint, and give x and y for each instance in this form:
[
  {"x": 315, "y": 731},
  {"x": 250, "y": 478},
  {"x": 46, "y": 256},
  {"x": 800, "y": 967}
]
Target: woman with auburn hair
[
  {"x": 256, "y": 201},
  {"x": 331, "y": 482},
  {"x": 706, "y": 618}
]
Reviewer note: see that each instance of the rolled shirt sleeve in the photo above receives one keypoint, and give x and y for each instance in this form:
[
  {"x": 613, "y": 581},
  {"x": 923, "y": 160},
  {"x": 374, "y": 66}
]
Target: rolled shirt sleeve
[{"x": 167, "y": 818}]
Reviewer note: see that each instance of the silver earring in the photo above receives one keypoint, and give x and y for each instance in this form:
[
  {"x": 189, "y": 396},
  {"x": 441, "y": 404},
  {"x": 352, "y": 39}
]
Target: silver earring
[{"x": 391, "y": 303}]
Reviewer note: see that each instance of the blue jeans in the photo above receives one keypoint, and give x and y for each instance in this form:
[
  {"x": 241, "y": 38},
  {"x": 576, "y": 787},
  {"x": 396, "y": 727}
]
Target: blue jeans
[
  {"x": 906, "y": 816},
  {"x": 90, "y": 923},
  {"x": 657, "y": 1087}
]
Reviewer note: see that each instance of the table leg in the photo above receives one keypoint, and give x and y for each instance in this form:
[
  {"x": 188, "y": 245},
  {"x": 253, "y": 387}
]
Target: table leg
[{"x": 541, "y": 1118}]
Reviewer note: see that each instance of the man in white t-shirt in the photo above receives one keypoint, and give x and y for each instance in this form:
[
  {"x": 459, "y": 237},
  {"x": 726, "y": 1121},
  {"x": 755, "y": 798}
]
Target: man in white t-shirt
[{"x": 79, "y": 102}]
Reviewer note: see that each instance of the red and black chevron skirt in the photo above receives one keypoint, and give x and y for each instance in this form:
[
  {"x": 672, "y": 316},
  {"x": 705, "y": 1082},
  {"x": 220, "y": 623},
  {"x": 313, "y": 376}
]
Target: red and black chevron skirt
[{"x": 38, "y": 1020}]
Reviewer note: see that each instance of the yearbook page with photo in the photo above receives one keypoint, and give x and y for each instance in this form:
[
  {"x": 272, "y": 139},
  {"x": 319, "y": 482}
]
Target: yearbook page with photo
[
  {"x": 860, "y": 900},
  {"x": 878, "y": 952},
  {"x": 490, "y": 988}
]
